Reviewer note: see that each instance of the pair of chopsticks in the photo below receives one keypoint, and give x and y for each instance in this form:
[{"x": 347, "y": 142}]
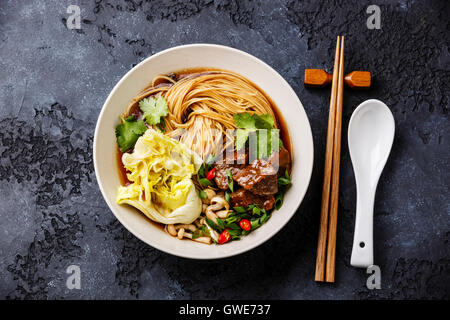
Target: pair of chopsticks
[{"x": 326, "y": 247}]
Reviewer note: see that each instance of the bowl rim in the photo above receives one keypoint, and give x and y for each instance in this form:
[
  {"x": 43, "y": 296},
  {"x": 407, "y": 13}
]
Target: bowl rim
[{"x": 157, "y": 245}]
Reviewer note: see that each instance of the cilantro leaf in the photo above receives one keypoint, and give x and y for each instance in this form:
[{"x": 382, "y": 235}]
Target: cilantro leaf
[
  {"x": 128, "y": 132},
  {"x": 262, "y": 126},
  {"x": 244, "y": 120},
  {"x": 252, "y": 122},
  {"x": 264, "y": 121},
  {"x": 241, "y": 138},
  {"x": 264, "y": 143},
  {"x": 153, "y": 109},
  {"x": 274, "y": 136}
]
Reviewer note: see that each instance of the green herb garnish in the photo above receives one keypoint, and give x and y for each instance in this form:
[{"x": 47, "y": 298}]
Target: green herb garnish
[
  {"x": 258, "y": 222},
  {"x": 230, "y": 180},
  {"x": 239, "y": 209},
  {"x": 128, "y": 132},
  {"x": 278, "y": 200},
  {"x": 212, "y": 224},
  {"x": 262, "y": 127},
  {"x": 202, "y": 194},
  {"x": 229, "y": 220},
  {"x": 256, "y": 211},
  {"x": 204, "y": 182},
  {"x": 202, "y": 231},
  {"x": 154, "y": 109},
  {"x": 201, "y": 171},
  {"x": 235, "y": 232},
  {"x": 233, "y": 226},
  {"x": 227, "y": 197},
  {"x": 220, "y": 224},
  {"x": 284, "y": 181}
]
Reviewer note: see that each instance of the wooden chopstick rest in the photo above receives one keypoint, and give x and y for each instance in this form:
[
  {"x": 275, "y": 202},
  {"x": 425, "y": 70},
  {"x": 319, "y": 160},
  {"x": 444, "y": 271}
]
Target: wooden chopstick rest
[{"x": 319, "y": 78}]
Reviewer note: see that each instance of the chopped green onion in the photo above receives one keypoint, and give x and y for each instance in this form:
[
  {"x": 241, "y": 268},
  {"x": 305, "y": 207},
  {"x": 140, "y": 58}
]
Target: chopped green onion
[
  {"x": 256, "y": 211},
  {"x": 230, "y": 180},
  {"x": 255, "y": 224},
  {"x": 278, "y": 200},
  {"x": 227, "y": 197},
  {"x": 239, "y": 209},
  {"x": 205, "y": 182},
  {"x": 234, "y": 232},
  {"x": 230, "y": 220},
  {"x": 201, "y": 171},
  {"x": 233, "y": 226},
  {"x": 202, "y": 194},
  {"x": 200, "y": 232},
  {"x": 212, "y": 224},
  {"x": 264, "y": 218},
  {"x": 221, "y": 224},
  {"x": 283, "y": 181},
  {"x": 258, "y": 222}
]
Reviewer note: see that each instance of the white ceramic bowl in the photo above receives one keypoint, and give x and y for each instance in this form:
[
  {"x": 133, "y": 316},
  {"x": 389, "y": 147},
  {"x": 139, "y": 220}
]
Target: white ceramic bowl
[{"x": 194, "y": 56}]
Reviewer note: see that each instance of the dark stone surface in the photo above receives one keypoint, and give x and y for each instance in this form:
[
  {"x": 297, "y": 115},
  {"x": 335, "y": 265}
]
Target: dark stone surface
[{"x": 55, "y": 80}]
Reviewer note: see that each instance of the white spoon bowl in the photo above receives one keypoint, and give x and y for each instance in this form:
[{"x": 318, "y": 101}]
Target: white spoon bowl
[{"x": 370, "y": 136}]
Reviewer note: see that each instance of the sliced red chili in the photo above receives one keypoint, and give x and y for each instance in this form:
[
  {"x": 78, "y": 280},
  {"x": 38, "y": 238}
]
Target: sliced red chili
[
  {"x": 245, "y": 224},
  {"x": 225, "y": 236},
  {"x": 211, "y": 174}
]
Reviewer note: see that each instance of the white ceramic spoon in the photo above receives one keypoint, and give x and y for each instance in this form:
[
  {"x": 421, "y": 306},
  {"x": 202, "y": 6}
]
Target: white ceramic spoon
[{"x": 370, "y": 135}]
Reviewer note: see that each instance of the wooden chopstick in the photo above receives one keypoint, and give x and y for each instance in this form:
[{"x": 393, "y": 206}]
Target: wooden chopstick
[
  {"x": 322, "y": 242},
  {"x": 332, "y": 223}
]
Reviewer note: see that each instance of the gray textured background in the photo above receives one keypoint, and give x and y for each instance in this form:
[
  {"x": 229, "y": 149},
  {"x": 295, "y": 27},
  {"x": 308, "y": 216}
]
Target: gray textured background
[{"x": 54, "y": 82}]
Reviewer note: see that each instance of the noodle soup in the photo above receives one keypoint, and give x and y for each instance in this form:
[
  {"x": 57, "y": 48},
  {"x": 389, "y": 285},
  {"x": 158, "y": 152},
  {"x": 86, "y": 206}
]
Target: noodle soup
[{"x": 205, "y": 154}]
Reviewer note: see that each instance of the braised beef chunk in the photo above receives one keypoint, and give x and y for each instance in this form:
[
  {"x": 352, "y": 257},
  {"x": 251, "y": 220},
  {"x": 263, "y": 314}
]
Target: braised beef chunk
[
  {"x": 259, "y": 177},
  {"x": 221, "y": 174},
  {"x": 237, "y": 164},
  {"x": 266, "y": 186},
  {"x": 280, "y": 160},
  {"x": 244, "y": 198}
]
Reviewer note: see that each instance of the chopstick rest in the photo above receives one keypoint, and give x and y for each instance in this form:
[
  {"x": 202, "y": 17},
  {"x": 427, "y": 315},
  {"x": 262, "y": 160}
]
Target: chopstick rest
[
  {"x": 370, "y": 136},
  {"x": 319, "y": 78}
]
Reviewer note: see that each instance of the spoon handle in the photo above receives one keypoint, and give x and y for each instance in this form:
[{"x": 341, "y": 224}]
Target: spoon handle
[{"x": 362, "y": 252}]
